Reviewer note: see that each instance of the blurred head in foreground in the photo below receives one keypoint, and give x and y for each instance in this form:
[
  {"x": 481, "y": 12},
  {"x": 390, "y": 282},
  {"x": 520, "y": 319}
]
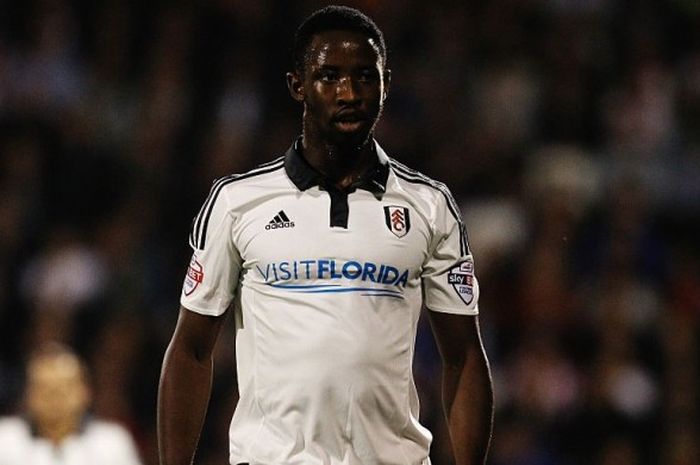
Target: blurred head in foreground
[{"x": 57, "y": 394}]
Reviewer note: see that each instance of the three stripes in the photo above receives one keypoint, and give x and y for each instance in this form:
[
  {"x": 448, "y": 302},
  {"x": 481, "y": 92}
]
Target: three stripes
[
  {"x": 198, "y": 232},
  {"x": 410, "y": 175}
]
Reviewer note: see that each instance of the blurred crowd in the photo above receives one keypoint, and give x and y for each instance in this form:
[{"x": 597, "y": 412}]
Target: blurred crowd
[{"x": 569, "y": 130}]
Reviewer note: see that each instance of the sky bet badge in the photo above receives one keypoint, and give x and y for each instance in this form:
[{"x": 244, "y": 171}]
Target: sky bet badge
[
  {"x": 195, "y": 275},
  {"x": 462, "y": 279},
  {"x": 397, "y": 220}
]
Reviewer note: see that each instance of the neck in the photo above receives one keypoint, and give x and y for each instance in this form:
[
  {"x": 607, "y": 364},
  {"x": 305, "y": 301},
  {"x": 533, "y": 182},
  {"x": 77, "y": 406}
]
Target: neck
[
  {"x": 56, "y": 432},
  {"x": 341, "y": 164}
]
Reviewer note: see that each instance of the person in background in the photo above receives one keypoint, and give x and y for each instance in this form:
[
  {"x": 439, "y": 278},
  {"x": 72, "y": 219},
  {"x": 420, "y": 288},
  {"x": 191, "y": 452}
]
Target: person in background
[{"x": 57, "y": 428}]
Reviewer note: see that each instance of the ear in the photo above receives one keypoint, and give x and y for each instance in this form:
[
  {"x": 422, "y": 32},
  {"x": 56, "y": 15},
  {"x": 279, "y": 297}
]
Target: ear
[
  {"x": 295, "y": 86},
  {"x": 387, "y": 84}
]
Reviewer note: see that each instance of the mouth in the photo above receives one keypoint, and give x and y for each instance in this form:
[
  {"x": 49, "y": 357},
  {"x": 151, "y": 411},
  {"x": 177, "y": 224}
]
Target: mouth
[{"x": 349, "y": 121}]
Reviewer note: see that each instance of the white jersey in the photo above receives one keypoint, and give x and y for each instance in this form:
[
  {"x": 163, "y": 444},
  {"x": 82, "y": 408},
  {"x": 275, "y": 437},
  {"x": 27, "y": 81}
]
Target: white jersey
[
  {"x": 327, "y": 288},
  {"x": 98, "y": 443}
]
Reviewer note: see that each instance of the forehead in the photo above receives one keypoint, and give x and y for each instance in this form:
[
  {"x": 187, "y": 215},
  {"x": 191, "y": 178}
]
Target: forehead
[
  {"x": 53, "y": 370},
  {"x": 337, "y": 48}
]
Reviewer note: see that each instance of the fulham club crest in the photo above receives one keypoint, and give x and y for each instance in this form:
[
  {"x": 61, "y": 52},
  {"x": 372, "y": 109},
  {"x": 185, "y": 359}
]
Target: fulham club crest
[
  {"x": 397, "y": 220},
  {"x": 462, "y": 279},
  {"x": 195, "y": 275}
]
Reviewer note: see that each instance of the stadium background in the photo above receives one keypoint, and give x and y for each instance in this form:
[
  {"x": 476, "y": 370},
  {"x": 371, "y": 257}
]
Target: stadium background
[{"x": 569, "y": 130}]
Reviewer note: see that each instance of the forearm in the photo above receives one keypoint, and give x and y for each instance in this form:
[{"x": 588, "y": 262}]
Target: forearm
[
  {"x": 468, "y": 403},
  {"x": 183, "y": 396}
]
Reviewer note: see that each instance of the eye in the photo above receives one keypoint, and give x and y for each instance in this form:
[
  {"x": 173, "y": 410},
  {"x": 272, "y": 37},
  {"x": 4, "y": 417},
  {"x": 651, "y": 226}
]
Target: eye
[
  {"x": 368, "y": 75},
  {"x": 328, "y": 76}
]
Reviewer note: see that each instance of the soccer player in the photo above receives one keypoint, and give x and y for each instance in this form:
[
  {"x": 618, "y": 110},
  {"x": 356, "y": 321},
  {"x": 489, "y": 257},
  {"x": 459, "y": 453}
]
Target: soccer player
[
  {"x": 57, "y": 428},
  {"x": 326, "y": 256}
]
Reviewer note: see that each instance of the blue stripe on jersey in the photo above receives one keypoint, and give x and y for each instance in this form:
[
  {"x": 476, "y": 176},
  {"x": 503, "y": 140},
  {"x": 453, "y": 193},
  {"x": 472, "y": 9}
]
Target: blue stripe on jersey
[
  {"x": 303, "y": 286},
  {"x": 198, "y": 232},
  {"x": 335, "y": 288},
  {"x": 383, "y": 295},
  {"x": 351, "y": 289},
  {"x": 410, "y": 175}
]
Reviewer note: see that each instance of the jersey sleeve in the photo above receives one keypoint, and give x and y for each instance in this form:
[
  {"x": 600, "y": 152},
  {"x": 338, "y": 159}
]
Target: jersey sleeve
[
  {"x": 449, "y": 280},
  {"x": 212, "y": 275}
]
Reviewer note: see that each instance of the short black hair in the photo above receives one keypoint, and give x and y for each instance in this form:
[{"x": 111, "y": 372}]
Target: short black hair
[{"x": 334, "y": 18}]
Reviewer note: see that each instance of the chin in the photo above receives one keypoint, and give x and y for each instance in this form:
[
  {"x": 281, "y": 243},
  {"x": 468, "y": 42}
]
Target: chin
[
  {"x": 351, "y": 138},
  {"x": 348, "y": 140}
]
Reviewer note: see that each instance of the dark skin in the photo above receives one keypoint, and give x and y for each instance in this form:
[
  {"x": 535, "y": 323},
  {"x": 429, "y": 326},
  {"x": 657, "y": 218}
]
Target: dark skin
[
  {"x": 342, "y": 89},
  {"x": 185, "y": 386},
  {"x": 467, "y": 391}
]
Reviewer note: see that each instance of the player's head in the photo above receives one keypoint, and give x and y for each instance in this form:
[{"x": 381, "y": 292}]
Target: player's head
[
  {"x": 335, "y": 18},
  {"x": 340, "y": 75},
  {"x": 57, "y": 393}
]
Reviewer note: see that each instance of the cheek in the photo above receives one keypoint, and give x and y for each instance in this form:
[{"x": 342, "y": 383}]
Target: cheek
[
  {"x": 318, "y": 103},
  {"x": 319, "y": 95},
  {"x": 375, "y": 103}
]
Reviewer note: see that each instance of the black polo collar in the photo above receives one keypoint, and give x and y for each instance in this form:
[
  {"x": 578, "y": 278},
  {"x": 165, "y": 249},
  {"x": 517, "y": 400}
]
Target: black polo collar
[{"x": 304, "y": 176}]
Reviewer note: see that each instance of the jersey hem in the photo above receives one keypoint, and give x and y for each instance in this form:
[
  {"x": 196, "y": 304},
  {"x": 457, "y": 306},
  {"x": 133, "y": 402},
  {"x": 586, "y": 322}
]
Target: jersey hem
[{"x": 200, "y": 310}]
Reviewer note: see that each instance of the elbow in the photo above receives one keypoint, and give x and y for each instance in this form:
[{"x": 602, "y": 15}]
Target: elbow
[{"x": 184, "y": 352}]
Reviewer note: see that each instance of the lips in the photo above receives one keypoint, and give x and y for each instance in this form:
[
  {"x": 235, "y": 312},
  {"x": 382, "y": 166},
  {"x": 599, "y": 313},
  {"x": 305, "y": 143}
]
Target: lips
[{"x": 349, "y": 116}]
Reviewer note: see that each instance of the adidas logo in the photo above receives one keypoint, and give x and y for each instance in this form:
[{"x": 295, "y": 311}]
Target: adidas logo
[{"x": 281, "y": 220}]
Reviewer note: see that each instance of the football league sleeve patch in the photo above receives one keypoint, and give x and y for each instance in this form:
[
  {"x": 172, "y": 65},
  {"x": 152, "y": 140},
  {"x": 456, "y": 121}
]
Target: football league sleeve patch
[
  {"x": 449, "y": 279},
  {"x": 463, "y": 281},
  {"x": 212, "y": 274}
]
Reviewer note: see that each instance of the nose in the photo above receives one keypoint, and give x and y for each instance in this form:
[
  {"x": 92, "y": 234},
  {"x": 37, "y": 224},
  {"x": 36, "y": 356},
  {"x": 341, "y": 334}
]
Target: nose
[{"x": 347, "y": 91}]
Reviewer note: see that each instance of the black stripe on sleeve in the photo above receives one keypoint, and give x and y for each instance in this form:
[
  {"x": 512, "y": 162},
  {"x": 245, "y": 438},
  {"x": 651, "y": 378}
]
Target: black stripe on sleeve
[
  {"x": 210, "y": 198},
  {"x": 202, "y": 222},
  {"x": 410, "y": 175},
  {"x": 197, "y": 223}
]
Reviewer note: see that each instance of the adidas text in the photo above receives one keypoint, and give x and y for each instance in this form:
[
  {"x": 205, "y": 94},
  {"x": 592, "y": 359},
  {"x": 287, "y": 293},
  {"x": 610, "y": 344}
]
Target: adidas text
[{"x": 286, "y": 224}]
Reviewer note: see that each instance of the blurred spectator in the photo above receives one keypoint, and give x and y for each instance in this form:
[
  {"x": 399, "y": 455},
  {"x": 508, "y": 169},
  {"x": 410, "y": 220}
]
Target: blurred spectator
[{"x": 56, "y": 427}]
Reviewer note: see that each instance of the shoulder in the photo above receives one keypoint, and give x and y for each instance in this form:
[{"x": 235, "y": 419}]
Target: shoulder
[
  {"x": 234, "y": 191},
  {"x": 107, "y": 431},
  {"x": 407, "y": 175},
  {"x": 13, "y": 428},
  {"x": 111, "y": 443},
  {"x": 16, "y": 441},
  {"x": 430, "y": 189},
  {"x": 265, "y": 172},
  {"x": 435, "y": 199}
]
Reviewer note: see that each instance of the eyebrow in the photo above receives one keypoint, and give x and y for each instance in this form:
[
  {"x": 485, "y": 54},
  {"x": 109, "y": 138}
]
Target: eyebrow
[{"x": 335, "y": 67}]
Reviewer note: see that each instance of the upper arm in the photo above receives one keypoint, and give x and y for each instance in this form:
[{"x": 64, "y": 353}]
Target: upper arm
[
  {"x": 456, "y": 335},
  {"x": 196, "y": 334}
]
